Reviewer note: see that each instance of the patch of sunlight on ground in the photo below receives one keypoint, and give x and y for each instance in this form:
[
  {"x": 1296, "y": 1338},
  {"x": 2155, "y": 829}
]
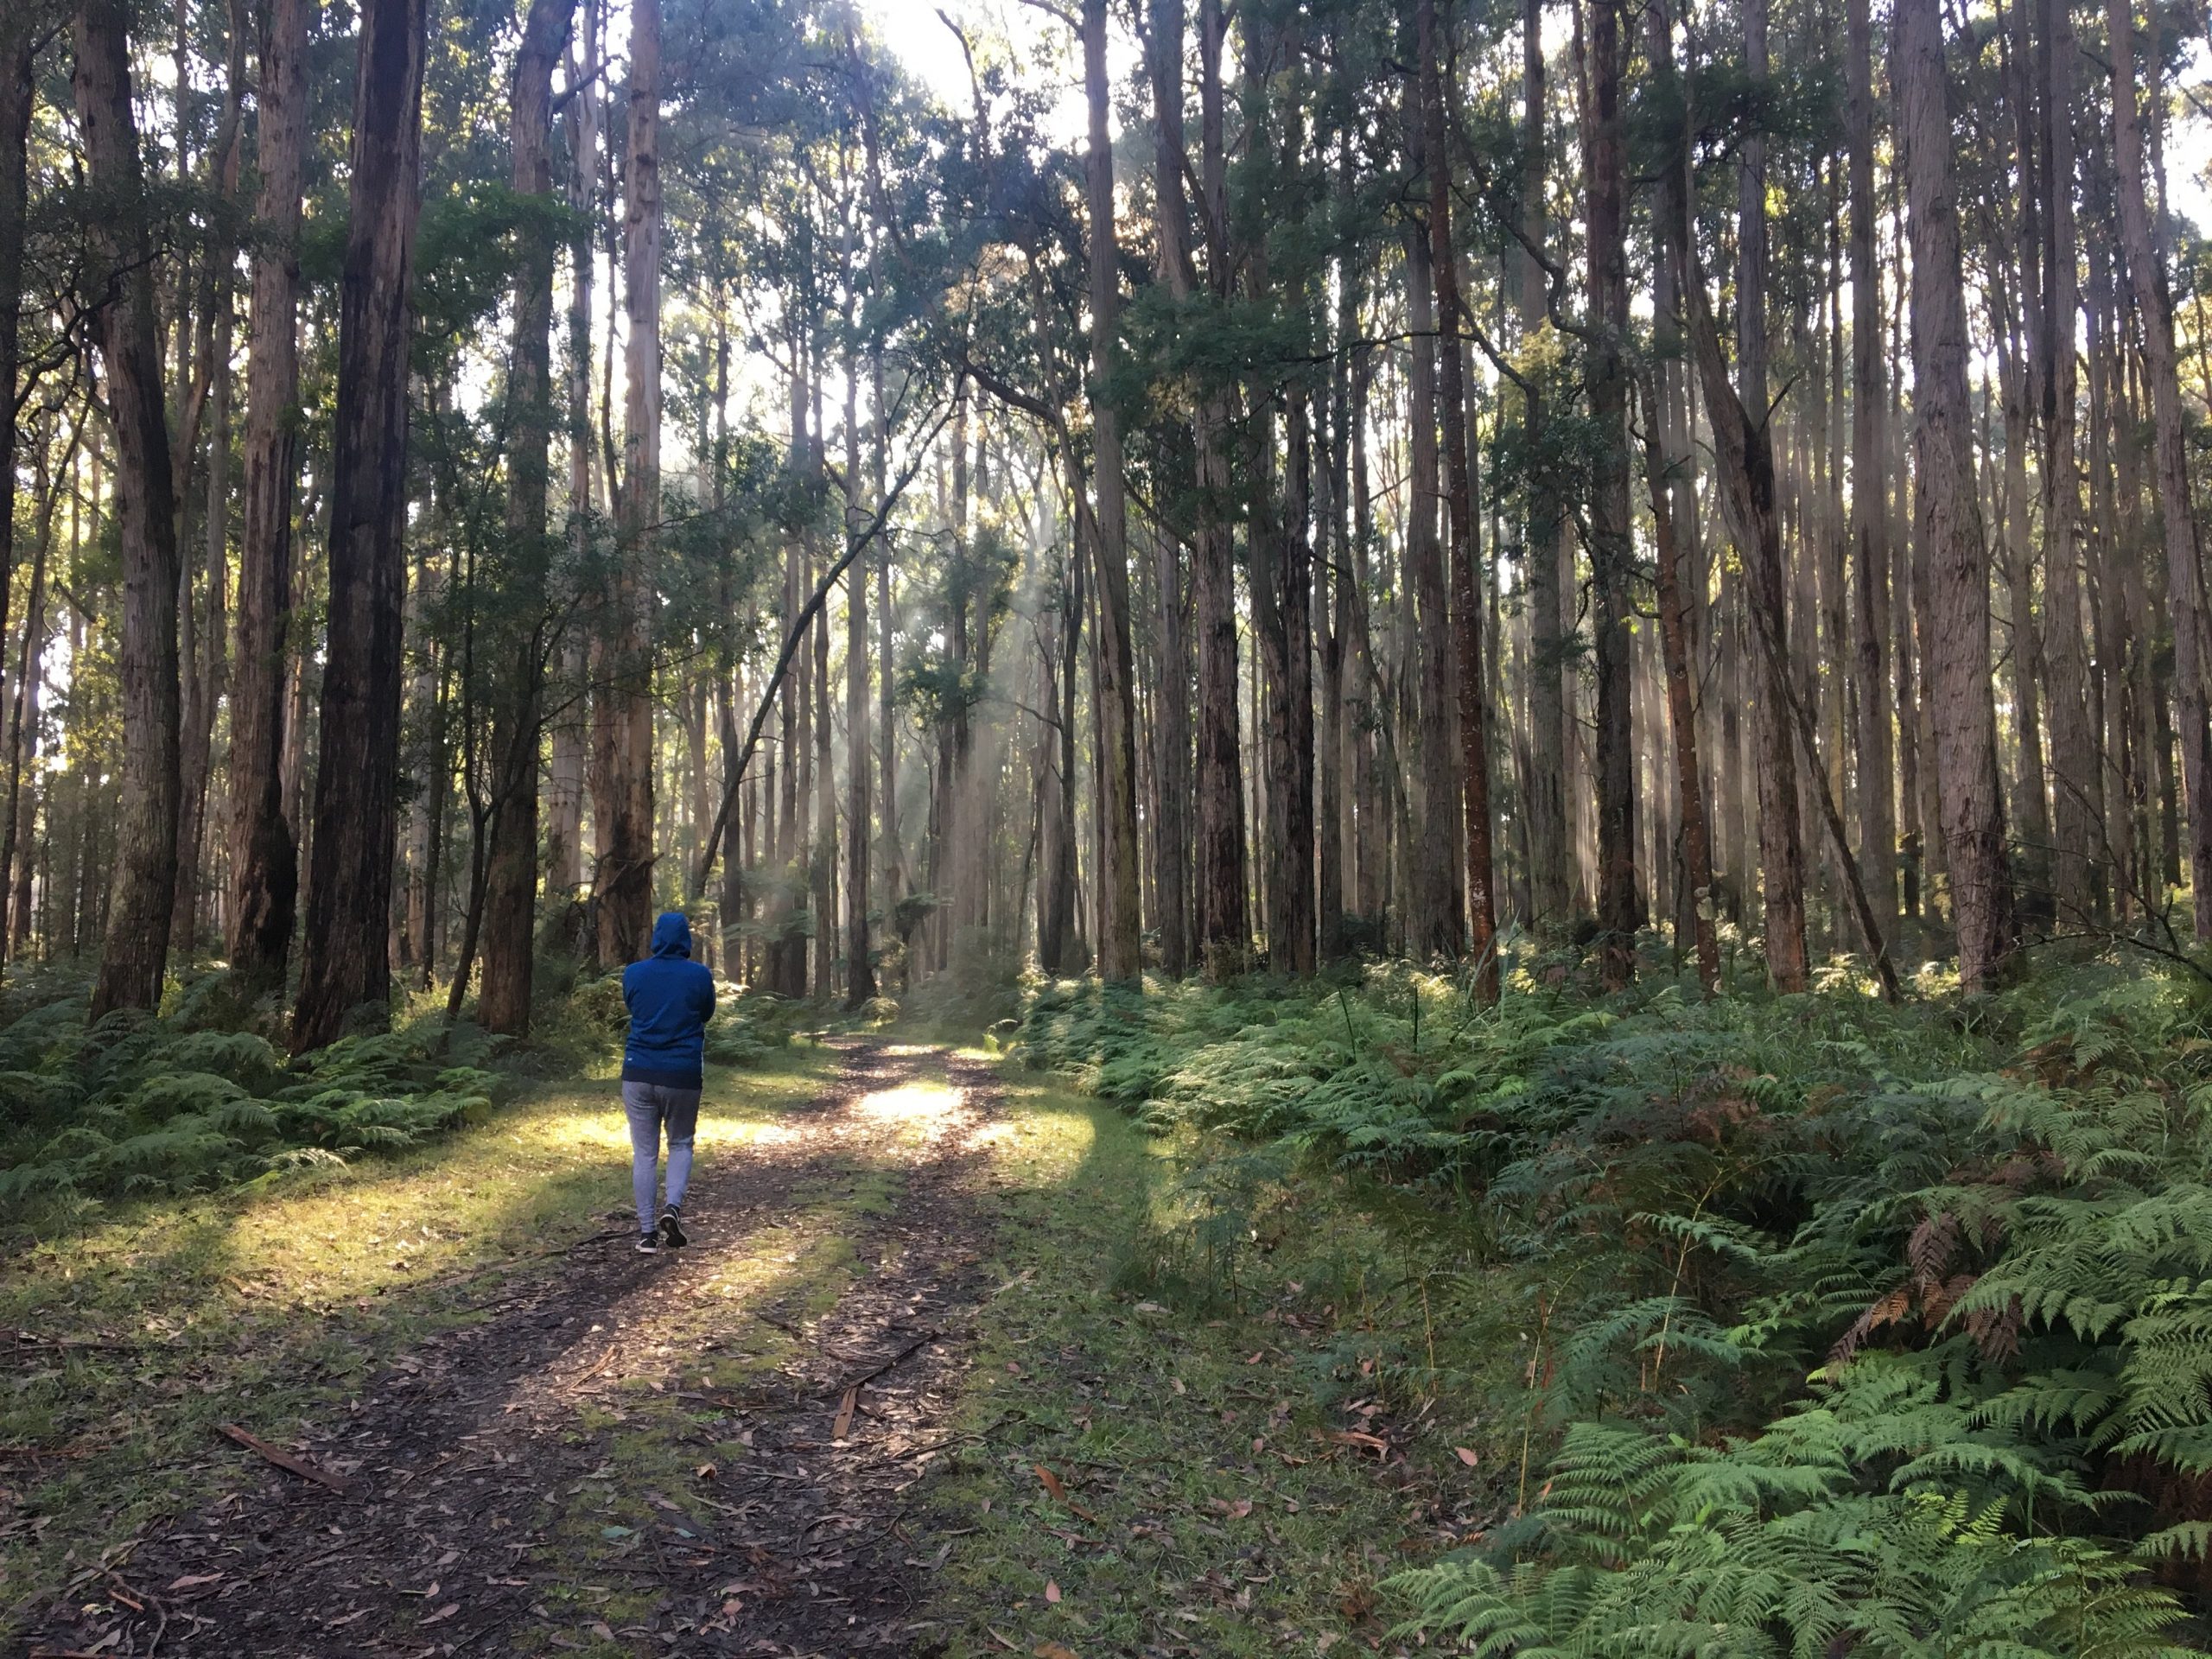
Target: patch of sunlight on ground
[
  {"x": 1046, "y": 1137},
  {"x": 912, "y": 1102},
  {"x": 540, "y": 1169}
]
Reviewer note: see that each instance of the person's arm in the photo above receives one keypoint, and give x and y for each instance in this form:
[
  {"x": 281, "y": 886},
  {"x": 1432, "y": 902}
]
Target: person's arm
[{"x": 707, "y": 997}]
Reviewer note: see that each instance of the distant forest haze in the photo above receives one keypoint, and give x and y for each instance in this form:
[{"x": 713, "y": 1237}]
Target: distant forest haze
[{"x": 1122, "y": 488}]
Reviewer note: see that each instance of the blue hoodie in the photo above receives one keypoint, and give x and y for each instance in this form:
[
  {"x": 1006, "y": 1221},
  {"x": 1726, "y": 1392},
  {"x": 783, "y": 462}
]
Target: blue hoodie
[{"x": 671, "y": 998}]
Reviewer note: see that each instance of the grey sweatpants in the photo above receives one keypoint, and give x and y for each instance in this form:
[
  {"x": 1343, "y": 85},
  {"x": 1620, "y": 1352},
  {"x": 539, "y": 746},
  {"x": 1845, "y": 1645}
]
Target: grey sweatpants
[{"x": 649, "y": 1106}]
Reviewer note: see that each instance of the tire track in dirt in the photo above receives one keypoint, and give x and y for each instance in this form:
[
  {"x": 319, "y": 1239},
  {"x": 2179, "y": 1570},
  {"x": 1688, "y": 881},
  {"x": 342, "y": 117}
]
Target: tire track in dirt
[{"x": 476, "y": 1458}]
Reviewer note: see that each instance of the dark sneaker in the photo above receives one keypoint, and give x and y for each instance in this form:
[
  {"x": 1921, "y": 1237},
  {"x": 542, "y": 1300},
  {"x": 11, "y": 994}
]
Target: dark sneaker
[
  {"x": 672, "y": 1229},
  {"x": 648, "y": 1243}
]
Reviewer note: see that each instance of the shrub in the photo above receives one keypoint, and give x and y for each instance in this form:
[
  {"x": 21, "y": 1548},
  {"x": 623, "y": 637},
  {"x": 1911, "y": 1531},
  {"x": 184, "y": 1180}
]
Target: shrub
[
  {"x": 1850, "y": 1324},
  {"x": 138, "y": 1104}
]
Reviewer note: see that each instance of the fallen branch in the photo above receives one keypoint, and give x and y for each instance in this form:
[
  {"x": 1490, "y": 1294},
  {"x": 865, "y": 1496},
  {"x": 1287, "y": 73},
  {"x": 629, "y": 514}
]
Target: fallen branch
[
  {"x": 32, "y": 1339},
  {"x": 286, "y": 1460},
  {"x": 867, "y": 1377}
]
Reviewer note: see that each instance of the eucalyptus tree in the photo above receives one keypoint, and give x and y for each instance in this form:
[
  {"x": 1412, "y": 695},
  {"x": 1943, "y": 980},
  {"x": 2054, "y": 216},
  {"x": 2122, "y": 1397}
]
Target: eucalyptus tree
[{"x": 343, "y": 964}]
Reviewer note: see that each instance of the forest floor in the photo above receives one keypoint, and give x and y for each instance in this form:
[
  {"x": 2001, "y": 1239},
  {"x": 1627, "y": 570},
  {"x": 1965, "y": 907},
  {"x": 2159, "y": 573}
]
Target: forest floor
[{"x": 908, "y": 1391}]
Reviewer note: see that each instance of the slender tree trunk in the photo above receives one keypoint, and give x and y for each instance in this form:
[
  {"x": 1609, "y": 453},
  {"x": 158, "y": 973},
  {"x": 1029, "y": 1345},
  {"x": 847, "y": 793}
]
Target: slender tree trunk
[
  {"x": 197, "y": 716},
  {"x": 1550, "y": 845},
  {"x": 1056, "y": 891},
  {"x": 18, "y": 46},
  {"x": 2076, "y": 780},
  {"x": 1224, "y": 933},
  {"x": 860, "y": 962},
  {"x": 202, "y": 652},
  {"x": 887, "y": 675},
  {"x": 1947, "y": 513},
  {"x": 1877, "y": 799},
  {"x": 625, "y": 876},
  {"x": 1667, "y": 458},
  {"x": 1612, "y": 555},
  {"x": 1782, "y": 852},
  {"x": 145, "y": 882},
  {"x": 345, "y": 962},
  {"x": 16, "y": 856},
  {"x": 1120, "y": 945},
  {"x": 564, "y": 794},
  {"x": 511, "y": 865},
  {"x": 2185, "y": 578},
  {"x": 1474, "y": 715},
  {"x": 1171, "y": 768},
  {"x": 1434, "y": 923}
]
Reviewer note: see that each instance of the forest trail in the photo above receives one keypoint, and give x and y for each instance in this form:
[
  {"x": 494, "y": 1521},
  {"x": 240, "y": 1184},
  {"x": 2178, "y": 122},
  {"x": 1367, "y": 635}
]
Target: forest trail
[{"x": 712, "y": 1451}]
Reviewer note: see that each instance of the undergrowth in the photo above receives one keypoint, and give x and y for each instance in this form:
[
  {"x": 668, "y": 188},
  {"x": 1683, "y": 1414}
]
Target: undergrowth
[
  {"x": 139, "y": 1106},
  {"x": 1842, "y": 1327}
]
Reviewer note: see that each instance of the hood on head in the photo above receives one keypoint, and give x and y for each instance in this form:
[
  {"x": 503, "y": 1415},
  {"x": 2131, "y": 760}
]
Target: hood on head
[{"x": 672, "y": 934}]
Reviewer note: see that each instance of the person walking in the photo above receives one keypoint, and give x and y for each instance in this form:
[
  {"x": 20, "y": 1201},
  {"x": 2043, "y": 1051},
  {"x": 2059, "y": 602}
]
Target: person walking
[{"x": 671, "y": 998}]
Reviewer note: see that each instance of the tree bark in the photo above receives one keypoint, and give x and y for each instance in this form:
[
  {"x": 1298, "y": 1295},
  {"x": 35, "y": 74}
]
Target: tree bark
[
  {"x": 623, "y": 729},
  {"x": 2185, "y": 578},
  {"x": 1474, "y": 715},
  {"x": 1120, "y": 944},
  {"x": 860, "y": 964},
  {"x": 1948, "y": 513},
  {"x": 2077, "y": 805},
  {"x": 345, "y": 964},
  {"x": 19, "y": 31},
  {"x": 1612, "y": 555},
  {"x": 1877, "y": 799},
  {"x": 1171, "y": 768},
  {"x": 1224, "y": 933},
  {"x": 145, "y": 889},
  {"x": 1433, "y": 922},
  {"x": 18, "y": 854},
  {"x": 564, "y": 794},
  {"x": 509, "y": 930}
]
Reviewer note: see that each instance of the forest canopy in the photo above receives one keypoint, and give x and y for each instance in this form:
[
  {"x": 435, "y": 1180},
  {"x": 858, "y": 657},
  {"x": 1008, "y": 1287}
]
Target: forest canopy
[{"x": 1138, "y": 486}]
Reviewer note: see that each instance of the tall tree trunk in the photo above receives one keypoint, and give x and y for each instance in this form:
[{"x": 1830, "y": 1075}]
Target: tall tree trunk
[
  {"x": 509, "y": 929},
  {"x": 145, "y": 883},
  {"x": 1782, "y": 852},
  {"x": 885, "y": 629},
  {"x": 565, "y": 793},
  {"x": 1434, "y": 925},
  {"x": 1550, "y": 845},
  {"x": 1474, "y": 715},
  {"x": 1667, "y": 462},
  {"x": 1948, "y": 514},
  {"x": 1224, "y": 934},
  {"x": 625, "y": 875},
  {"x": 204, "y": 687},
  {"x": 860, "y": 964},
  {"x": 1056, "y": 888},
  {"x": 2077, "y": 806},
  {"x": 1120, "y": 943},
  {"x": 345, "y": 961},
  {"x": 19, "y": 31},
  {"x": 1612, "y": 555},
  {"x": 1171, "y": 768},
  {"x": 16, "y": 856},
  {"x": 1278, "y": 551},
  {"x": 1877, "y": 799},
  {"x": 2014, "y": 558},
  {"x": 2184, "y": 579},
  {"x": 203, "y": 649}
]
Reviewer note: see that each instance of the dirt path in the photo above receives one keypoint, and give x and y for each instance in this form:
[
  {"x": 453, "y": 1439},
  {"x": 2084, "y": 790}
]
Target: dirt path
[{"x": 712, "y": 1451}]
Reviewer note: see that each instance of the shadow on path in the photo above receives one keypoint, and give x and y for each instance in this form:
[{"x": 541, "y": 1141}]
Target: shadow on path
[{"x": 580, "y": 1472}]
